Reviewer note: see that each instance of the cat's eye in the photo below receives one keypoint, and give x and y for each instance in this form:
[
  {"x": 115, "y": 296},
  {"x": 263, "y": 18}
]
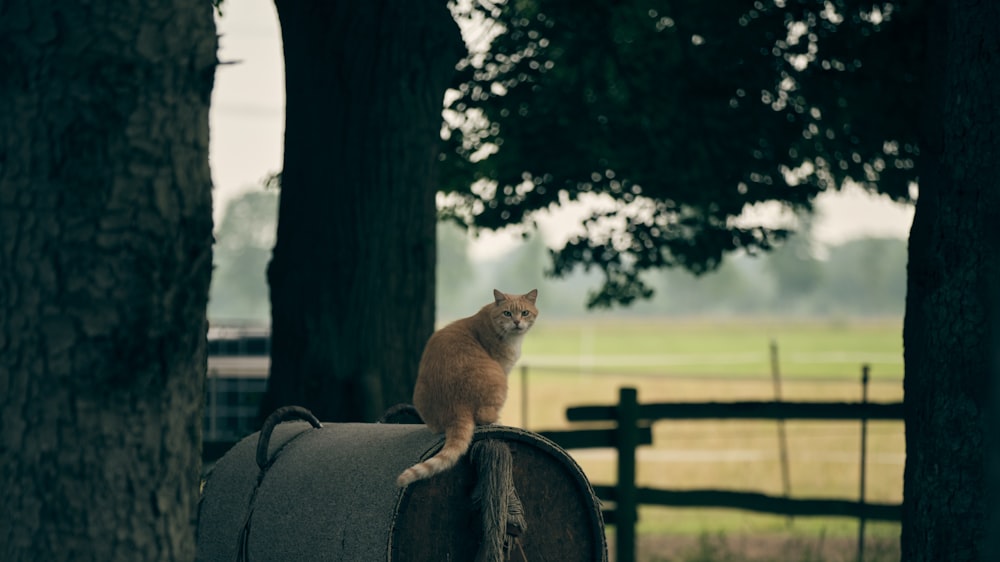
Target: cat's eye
[
  {"x": 524, "y": 313},
  {"x": 506, "y": 313}
]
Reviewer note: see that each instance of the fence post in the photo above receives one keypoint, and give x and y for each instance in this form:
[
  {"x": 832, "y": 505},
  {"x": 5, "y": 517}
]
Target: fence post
[
  {"x": 786, "y": 479},
  {"x": 212, "y": 405},
  {"x": 626, "y": 508},
  {"x": 524, "y": 397},
  {"x": 864, "y": 463}
]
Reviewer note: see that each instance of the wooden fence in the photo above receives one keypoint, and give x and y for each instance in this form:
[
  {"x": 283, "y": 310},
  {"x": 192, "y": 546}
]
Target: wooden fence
[{"x": 631, "y": 429}]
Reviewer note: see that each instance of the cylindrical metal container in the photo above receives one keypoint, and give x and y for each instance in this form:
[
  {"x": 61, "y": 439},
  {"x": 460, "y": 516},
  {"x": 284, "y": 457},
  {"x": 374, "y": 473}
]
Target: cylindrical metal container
[{"x": 329, "y": 494}]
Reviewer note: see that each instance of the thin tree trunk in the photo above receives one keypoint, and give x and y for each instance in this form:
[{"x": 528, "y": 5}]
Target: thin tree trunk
[
  {"x": 105, "y": 259},
  {"x": 953, "y": 263},
  {"x": 352, "y": 274}
]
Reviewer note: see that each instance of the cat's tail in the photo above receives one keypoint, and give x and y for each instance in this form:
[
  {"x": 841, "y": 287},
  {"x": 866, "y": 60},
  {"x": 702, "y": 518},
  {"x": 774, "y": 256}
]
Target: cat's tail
[{"x": 457, "y": 439}]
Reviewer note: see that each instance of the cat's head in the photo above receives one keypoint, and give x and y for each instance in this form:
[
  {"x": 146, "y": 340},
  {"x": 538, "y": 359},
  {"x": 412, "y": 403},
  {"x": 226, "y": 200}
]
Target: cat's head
[{"x": 513, "y": 314}]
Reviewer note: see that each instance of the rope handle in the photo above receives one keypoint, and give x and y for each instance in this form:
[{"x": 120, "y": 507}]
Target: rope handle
[{"x": 284, "y": 413}]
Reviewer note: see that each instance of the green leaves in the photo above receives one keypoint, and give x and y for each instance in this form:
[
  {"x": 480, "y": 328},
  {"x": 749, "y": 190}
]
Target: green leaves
[{"x": 683, "y": 112}]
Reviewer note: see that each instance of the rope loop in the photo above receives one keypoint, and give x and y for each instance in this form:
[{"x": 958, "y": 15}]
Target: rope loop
[{"x": 282, "y": 414}]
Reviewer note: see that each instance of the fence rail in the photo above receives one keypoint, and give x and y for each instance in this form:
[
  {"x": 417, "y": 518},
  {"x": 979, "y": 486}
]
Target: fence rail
[
  {"x": 632, "y": 428},
  {"x": 745, "y": 411},
  {"x": 763, "y": 503}
]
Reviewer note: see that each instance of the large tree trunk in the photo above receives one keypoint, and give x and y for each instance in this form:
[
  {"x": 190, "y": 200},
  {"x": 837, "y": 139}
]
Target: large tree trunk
[
  {"x": 105, "y": 260},
  {"x": 352, "y": 274},
  {"x": 953, "y": 264}
]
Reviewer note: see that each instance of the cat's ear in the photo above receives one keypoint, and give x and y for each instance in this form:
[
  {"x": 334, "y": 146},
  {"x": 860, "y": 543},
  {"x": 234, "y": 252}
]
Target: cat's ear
[
  {"x": 500, "y": 297},
  {"x": 531, "y": 295}
]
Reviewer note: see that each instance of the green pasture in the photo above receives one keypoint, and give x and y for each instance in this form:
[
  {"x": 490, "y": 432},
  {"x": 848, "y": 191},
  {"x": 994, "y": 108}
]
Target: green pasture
[
  {"x": 736, "y": 347},
  {"x": 586, "y": 362}
]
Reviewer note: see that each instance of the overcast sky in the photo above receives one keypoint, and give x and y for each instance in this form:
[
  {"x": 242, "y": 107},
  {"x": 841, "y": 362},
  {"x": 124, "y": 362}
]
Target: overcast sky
[{"x": 247, "y": 129}]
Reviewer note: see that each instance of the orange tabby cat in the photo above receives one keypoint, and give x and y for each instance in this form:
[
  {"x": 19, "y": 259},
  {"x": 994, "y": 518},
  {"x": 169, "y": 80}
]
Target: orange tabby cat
[{"x": 462, "y": 381}]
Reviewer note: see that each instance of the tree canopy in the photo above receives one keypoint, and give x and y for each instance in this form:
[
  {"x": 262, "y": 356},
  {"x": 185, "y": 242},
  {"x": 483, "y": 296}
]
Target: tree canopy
[{"x": 681, "y": 114}]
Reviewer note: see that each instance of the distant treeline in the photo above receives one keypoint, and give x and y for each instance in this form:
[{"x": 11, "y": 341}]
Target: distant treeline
[{"x": 864, "y": 277}]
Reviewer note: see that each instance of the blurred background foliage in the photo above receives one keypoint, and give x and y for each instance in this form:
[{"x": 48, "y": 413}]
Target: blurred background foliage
[{"x": 861, "y": 277}]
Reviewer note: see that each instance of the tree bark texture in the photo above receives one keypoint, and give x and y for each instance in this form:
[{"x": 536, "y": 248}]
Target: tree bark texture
[
  {"x": 105, "y": 260},
  {"x": 352, "y": 273},
  {"x": 952, "y": 271}
]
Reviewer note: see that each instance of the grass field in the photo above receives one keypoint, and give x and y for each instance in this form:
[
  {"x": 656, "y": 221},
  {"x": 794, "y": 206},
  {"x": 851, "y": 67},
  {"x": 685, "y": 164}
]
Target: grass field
[
  {"x": 730, "y": 347},
  {"x": 575, "y": 363}
]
